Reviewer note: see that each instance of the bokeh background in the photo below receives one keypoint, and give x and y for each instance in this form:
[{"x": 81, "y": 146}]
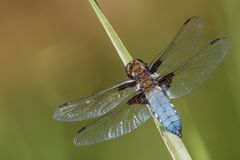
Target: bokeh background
[{"x": 56, "y": 50}]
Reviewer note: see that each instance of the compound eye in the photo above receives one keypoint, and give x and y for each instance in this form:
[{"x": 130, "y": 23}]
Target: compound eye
[
  {"x": 128, "y": 70},
  {"x": 139, "y": 60},
  {"x": 143, "y": 63}
]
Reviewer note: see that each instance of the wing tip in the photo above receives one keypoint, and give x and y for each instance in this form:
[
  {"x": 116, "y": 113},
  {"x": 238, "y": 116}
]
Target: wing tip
[
  {"x": 220, "y": 39},
  {"x": 188, "y": 20},
  {"x": 196, "y": 18},
  {"x": 224, "y": 42},
  {"x": 56, "y": 115},
  {"x": 214, "y": 41},
  {"x": 79, "y": 141},
  {"x": 81, "y": 129},
  {"x": 63, "y": 105},
  {"x": 76, "y": 142},
  {"x": 62, "y": 113}
]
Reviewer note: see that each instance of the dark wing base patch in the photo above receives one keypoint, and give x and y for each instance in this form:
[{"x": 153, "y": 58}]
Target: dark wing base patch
[
  {"x": 138, "y": 99},
  {"x": 127, "y": 85},
  {"x": 155, "y": 66},
  {"x": 165, "y": 82}
]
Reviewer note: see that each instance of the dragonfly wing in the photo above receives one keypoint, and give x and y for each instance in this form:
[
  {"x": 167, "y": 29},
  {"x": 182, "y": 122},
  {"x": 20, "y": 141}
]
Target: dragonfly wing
[
  {"x": 196, "y": 70},
  {"x": 180, "y": 49},
  {"x": 122, "y": 120},
  {"x": 96, "y": 105}
]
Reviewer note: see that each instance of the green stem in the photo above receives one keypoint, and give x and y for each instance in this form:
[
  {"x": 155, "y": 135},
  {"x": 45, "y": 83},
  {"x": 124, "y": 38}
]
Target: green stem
[
  {"x": 173, "y": 143},
  {"x": 117, "y": 43}
]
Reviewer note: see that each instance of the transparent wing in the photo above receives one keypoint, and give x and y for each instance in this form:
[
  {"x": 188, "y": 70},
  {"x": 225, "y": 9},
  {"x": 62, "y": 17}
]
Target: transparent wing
[
  {"x": 180, "y": 49},
  {"x": 122, "y": 120},
  {"x": 198, "y": 69},
  {"x": 97, "y": 105}
]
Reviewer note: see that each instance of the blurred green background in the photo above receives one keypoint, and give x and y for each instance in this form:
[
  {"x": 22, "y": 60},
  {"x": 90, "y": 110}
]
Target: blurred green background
[{"x": 55, "y": 51}]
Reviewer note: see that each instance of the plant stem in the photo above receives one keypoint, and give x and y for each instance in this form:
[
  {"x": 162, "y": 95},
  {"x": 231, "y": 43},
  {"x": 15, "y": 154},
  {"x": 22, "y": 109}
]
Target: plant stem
[
  {"x": 173, "y": 142},
  {"x": 117, "y": 43}
]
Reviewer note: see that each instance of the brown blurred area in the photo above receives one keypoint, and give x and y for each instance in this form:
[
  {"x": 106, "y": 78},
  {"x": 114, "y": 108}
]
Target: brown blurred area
[{"x": 54, "y": 51}]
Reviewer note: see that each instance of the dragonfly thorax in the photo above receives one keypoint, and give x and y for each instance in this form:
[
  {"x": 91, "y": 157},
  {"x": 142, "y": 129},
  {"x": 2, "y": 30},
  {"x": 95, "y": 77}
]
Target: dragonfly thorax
[
  {"x": 136, "y": 68},
  {"x": 138, "y": 71}
]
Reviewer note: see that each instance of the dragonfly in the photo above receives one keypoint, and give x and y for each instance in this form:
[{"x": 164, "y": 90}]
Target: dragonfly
[{"x": 176, "y": 71}]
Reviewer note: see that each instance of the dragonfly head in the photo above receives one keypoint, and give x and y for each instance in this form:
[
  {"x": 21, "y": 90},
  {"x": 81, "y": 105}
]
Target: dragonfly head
[{"x": 135, "y": 68}]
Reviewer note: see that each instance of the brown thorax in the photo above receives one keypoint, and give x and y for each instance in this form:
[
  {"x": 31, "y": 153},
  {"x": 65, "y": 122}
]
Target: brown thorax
[{"x": 138, "y": 71}]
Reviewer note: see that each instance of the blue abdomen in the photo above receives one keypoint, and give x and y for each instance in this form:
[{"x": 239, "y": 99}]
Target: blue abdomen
[{"x": 164, "y": 111}]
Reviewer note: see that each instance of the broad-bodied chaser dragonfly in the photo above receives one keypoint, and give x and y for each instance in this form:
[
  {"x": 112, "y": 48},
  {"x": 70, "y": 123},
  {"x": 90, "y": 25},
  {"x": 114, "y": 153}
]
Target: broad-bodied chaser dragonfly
[{"x": 175, "y": 72}]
